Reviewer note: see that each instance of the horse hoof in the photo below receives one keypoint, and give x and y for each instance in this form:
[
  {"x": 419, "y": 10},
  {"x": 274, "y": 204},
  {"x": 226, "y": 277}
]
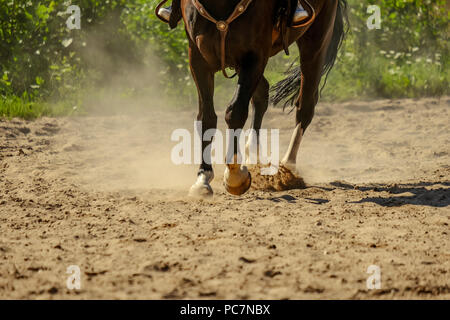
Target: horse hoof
[
  {"x": 201, "y": 191},
  {"x": 241, "y": 189},
  {"x": 202, "y": 187}
]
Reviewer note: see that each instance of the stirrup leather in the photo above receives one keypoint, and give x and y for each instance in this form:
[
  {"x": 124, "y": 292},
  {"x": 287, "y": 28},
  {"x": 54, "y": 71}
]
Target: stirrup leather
[{"x": 303, "y": 17}]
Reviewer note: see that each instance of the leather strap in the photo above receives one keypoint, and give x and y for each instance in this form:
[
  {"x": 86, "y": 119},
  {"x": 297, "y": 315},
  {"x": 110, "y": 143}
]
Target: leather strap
[
  {"x": 223, "y": 27},
  {"x": 310, "y": 20}
]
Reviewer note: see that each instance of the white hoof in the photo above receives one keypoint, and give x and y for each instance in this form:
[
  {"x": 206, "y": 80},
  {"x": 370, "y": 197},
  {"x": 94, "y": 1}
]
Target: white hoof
[{"x": 202, "y": 187}]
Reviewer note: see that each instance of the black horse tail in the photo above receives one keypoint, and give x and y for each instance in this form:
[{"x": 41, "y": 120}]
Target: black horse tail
[{"x": 287, "y": 89}]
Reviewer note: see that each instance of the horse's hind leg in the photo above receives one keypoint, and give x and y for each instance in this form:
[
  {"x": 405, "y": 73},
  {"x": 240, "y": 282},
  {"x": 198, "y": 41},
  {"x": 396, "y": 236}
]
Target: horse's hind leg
[
  {"x": 204, "y": 79},
  {"x": 313, "y": 48},
  {"x": 237, "y": 178},
  {"x": 260, "y": 103}
]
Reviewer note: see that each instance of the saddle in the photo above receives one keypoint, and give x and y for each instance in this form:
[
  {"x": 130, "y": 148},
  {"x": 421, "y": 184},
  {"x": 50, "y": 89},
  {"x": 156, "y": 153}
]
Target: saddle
[
  {"x": 284, "y": 24},
  {"x": 280, "y": 33}
]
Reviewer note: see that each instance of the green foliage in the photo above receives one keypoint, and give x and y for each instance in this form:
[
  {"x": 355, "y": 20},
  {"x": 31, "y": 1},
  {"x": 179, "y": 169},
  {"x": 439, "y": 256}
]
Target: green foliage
[
  {"x": 407, "y": 57},
  {"x": 30, "y": 47},
  {"x": 42, "y": 63},
  {"x": 153, "y": 35},
  {"x": 23, "y": 107}
]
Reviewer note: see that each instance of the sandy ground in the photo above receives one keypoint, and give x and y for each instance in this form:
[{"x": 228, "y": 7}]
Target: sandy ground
[{"x": 102, "y": 194}]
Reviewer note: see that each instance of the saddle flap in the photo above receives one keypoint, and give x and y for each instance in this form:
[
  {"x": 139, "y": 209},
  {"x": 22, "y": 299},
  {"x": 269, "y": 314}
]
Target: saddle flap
[{"x": 284, "y": 17}]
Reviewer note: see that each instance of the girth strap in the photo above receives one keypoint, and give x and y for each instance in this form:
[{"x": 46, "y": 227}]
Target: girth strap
[{"x": 223, "y": 27}]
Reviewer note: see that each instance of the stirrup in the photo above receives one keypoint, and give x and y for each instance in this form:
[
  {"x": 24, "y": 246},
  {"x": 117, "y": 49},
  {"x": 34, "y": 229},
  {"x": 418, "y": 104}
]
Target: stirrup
[
  {"x": 300, "y": 14},
  {"x": 165, "y": 13}
]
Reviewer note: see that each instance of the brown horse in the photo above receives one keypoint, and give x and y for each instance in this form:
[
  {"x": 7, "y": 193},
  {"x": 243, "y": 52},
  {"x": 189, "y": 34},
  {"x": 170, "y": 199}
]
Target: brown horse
[{"x": 251, "y": 39}]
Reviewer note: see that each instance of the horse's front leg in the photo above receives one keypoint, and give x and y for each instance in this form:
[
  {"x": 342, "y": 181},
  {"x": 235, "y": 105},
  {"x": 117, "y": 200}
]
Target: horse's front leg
[
  {"x": 237, "y": 179},
  {"x": 260, "y": 103},
  {"x": 204, "y": 79}
]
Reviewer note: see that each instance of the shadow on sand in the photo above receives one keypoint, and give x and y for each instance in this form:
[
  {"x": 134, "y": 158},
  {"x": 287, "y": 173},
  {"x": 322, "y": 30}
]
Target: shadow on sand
[{"x": 404, "y": 194}]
